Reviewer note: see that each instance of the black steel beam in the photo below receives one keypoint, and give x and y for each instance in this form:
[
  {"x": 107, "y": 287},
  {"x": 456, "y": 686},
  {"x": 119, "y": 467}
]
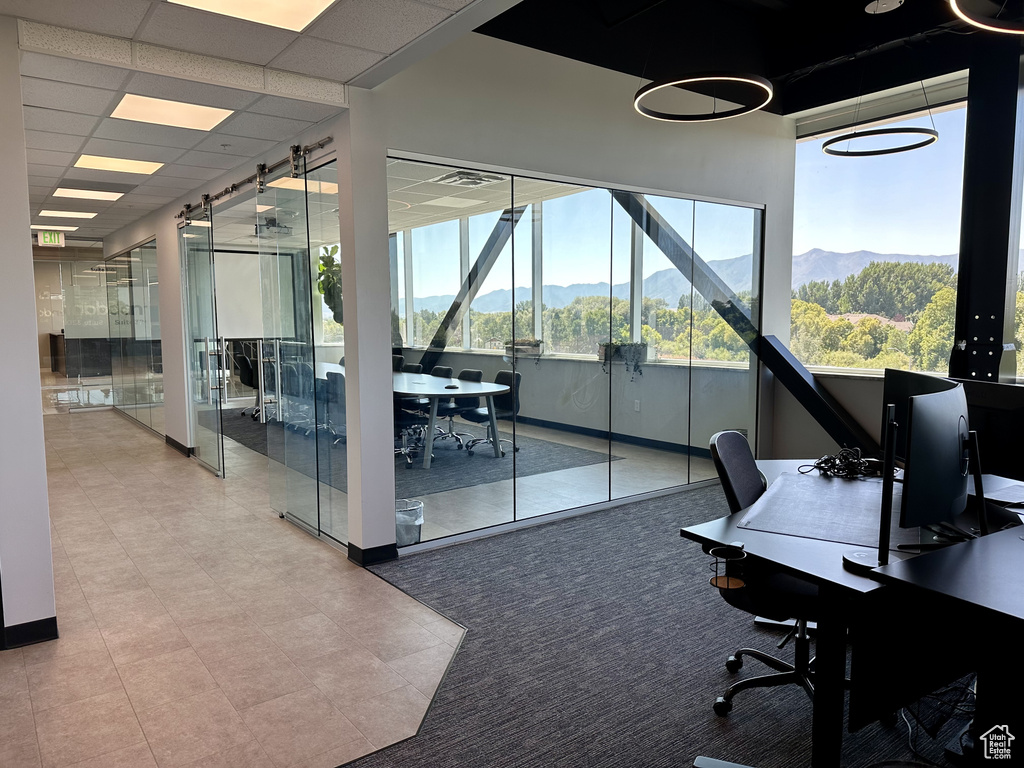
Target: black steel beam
[{"x": 990, "y": 217}]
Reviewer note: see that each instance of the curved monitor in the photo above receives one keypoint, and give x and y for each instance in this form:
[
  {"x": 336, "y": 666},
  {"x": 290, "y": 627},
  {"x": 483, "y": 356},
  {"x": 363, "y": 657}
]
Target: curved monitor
[
  {"x": 899, "y": 387},
  {"x": 936, "y": 471}
]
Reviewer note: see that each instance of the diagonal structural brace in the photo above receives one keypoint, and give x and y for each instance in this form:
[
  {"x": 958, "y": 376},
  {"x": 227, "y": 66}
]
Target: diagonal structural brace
[
  {"x": 471, "y": 286},
  {"x": 793, "y": 375}
]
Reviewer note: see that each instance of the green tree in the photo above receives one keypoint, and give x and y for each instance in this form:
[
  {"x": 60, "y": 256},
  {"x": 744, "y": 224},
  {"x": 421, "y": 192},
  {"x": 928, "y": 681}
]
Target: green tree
[{"x": 932, "y": 337}]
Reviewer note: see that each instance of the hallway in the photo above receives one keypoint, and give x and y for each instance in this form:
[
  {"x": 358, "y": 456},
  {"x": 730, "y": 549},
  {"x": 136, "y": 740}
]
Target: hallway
[{"x": 198, "y": 628}]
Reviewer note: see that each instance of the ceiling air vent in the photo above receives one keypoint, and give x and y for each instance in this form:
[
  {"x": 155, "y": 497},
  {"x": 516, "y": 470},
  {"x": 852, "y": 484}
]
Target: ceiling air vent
[{"x": 471, "y": 179}]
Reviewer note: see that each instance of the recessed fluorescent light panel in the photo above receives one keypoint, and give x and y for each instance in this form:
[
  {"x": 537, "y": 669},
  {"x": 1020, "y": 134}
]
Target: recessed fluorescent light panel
[
  {"x": 178, "y": 114},
  {"x": 54, "y": 228},
  {"x": 295, "y": 15},
  {"x": 68, "y": 214},
  {"x": 86, "y": 194},
  {"x": 117, "y": 164},
  {"x": 300, "y": 185}
]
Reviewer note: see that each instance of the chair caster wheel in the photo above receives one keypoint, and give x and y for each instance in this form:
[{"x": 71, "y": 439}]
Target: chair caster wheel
[
  {"x": 734, "y": 664},
  {"x": 503, "y": 454},
  {"x": 469, "y": 452},
  {"x": 722, "y": 707}
]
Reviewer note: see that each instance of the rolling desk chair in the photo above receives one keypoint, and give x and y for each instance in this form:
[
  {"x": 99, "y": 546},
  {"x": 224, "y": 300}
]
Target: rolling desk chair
[
  {"x": 458, "y": 406},
  {"x": 506, "y": 406},
  {"x": 397, "y": 361},
  {"x": 336, "y": 406},
  {"x": 410, "y": 367},
  {"x": 409, "y": 425},
  {"x": 248, "y": 377},
  {"x": 766, "y": 592}
]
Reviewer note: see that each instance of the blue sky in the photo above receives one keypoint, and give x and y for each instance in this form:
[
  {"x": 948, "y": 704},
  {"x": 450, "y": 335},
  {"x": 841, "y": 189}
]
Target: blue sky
[{"x": 904, "y": 203}]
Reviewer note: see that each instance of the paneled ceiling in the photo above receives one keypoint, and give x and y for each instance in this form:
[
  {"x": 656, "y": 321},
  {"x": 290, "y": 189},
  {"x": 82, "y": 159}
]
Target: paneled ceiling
[
  {"x": 815, "y": 52},
  {"x": 68, "y": 101}
]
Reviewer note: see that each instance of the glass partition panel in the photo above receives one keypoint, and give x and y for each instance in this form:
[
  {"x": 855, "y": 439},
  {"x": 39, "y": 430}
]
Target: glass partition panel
[
  {"x": 650, "y": 364},
  {"x": 723, "y": 391},
  {"x": 204, "y": 358},
  {"x": 564, "y": 408},
  {"x": 286, "y": 266},
  {"x": 329, "y": 332}
]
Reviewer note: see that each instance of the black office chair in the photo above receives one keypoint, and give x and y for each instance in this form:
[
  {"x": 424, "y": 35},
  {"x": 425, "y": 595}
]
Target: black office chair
[
  {"x": 506, "y": 406},
  {"x": 336, "y": 406},
  {"x": 248, "y": 377},
  {"x": 397, "y": 361},
  {"x": 767, "y": 592},
  {"x": 411, "y": 367},
  {"x": 409, "y": 429},
  {"x": 457, "y": 407}
]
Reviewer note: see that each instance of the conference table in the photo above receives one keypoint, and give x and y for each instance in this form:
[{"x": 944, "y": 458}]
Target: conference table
[
  {"x": 911, "y": 609},
  {"x": 435, "y": 389}
]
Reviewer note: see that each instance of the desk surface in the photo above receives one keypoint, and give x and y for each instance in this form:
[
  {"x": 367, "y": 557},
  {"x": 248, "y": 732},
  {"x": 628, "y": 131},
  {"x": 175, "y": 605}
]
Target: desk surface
[
  {"x": 425, "y": 385},
  {"x": 987, "y": 572}
]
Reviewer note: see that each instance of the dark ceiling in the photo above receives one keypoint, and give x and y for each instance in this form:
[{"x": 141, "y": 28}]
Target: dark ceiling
[{"x": 815, "y": 52}]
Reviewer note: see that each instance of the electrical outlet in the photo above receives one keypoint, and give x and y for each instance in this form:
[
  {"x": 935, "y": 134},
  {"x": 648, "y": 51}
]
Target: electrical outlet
[{"x": 636, "y": 406}]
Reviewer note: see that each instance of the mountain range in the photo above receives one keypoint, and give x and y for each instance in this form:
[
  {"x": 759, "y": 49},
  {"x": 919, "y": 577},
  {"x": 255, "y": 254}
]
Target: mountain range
[{"x": 669, "y": 284}]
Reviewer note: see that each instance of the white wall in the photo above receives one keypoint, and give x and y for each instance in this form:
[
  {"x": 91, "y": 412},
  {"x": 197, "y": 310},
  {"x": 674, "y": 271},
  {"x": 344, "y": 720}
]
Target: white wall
[{"x": 26, "y": 565}]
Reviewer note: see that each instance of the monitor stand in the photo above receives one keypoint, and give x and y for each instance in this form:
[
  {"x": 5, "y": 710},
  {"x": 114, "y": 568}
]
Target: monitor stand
[{"x": 863, "y": 560}]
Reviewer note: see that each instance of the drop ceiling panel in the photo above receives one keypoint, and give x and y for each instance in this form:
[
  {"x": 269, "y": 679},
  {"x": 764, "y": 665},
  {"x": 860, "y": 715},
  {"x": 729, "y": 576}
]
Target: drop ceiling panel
[
  {"x": 237, "y": 145},
  {"x": 320, "y": 58},
  {"x": 60, "y": 142},
  {"x": 42, "y": 181},
  {"x": 261, "y": 126},
  {"x": 65, "y": 96},
  {"x": 211, "y": 160},
  {"x": 188, "y": 172},
  {"x": 160, "y": 87},
  {"x": 120, "y": 18},
  {"x": 211, "y": 34},
  {"x": 161, "y": 179},
  {"x": 56, "y": 121},
  {"x": 451, "y": 5},
  {"x": 380, "y": 25},
  {"x": 72, "y": 71},
  {"x": 131, "y": 151},
  {"x": 157, "y": 187},
  {"x": 147, "y": 133},
  {"x": 49, "y": 157},
  {"x": 40, "y": 190},
  {"x": 293, "y": 108}
]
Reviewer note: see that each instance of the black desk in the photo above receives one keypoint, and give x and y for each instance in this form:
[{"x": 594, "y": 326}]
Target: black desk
[
  {"x": 852, "y": 605},
  {"x": 981, "y": 582}
]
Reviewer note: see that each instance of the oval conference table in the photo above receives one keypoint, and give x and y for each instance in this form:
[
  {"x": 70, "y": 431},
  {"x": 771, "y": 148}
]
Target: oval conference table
[{"x": 435, "y": 389}]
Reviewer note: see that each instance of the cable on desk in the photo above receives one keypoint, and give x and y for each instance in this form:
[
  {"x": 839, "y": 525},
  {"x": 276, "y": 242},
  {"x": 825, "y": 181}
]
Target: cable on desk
[{"x": 847, "y": 463}]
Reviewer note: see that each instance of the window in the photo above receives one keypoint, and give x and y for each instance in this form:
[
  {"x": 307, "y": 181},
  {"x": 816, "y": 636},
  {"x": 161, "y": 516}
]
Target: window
[{"x": 875, "y": 243}]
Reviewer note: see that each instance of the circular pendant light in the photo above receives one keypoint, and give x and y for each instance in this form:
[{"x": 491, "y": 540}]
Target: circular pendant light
[
  {"x": 703, "y": 77},
  {"x": 987, "y": 23},
  {"x": 927, "y": 136}
]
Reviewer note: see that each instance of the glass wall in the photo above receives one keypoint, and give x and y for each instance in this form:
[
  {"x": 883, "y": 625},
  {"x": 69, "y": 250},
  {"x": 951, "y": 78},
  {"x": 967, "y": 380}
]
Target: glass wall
[
  {"x": 133, "y": 323},
  {"x": 620, "y": 319},
  {"x": 875, "y": 243}
]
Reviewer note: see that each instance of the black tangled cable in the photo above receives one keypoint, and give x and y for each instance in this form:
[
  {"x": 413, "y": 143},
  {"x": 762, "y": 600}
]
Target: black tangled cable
[{"x": 847, "y": 463}]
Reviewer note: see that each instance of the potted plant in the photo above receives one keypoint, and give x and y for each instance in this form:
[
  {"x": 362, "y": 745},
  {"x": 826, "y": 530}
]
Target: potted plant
[
  {"x": 328, "y": 281},
  {"x": 523, "y": 347},
  {"x": 632, "y": 353}
]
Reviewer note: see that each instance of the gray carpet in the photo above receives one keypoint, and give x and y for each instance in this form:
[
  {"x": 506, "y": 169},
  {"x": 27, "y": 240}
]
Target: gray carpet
[
  {"x": 449, "y": 469},
  {"x": 596, "y": 641}
]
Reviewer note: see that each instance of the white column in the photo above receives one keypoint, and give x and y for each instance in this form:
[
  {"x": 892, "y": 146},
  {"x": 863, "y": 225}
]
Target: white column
[
  {"x": 365, "y": 269},
  {"x": 26, "y": 565}
]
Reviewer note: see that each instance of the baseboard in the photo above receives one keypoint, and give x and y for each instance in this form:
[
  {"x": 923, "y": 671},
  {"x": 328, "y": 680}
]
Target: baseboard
[
  {"x": 31, "y": 632},
  {"x": 373, "y": 555},
  {"x": 184, "y": 450}
]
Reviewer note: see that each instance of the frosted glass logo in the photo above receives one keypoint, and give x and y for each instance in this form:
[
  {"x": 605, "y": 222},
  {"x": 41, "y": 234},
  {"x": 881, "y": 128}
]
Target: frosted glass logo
[{"x": 997, "y": 742}]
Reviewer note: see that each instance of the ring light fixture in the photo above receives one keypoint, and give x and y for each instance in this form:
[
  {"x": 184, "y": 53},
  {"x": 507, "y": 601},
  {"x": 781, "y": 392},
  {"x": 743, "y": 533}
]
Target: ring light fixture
[
  {"x": 703, "y": 77},
  {"x": 930, "y": 136},
  {"x": 987, "y": 23}
]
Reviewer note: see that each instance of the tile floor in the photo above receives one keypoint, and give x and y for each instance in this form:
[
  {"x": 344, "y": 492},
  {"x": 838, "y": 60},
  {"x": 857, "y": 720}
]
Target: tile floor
[{"x": 199, "y": 629}]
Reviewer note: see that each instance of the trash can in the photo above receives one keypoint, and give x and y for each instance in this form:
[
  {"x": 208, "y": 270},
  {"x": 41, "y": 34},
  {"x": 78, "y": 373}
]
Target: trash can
[{"x": 408, "y": 521}]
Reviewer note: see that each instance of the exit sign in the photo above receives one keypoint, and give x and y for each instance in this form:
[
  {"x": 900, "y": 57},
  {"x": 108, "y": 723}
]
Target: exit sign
[{"x": 46, "y": 237}]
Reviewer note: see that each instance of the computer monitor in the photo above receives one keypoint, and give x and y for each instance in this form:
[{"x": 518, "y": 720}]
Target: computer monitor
[
  {"x": 898, "y": 388},
  {"x": 997, "y": 414},
  {"x": 936, "y": 459}
]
